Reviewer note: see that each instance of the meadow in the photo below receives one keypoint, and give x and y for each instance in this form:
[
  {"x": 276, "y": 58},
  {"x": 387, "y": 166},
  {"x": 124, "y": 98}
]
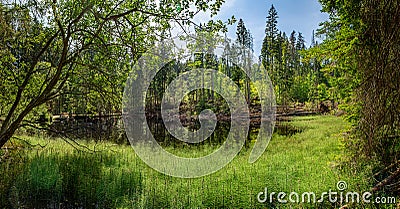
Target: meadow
[{"x": 55, "y": 174}]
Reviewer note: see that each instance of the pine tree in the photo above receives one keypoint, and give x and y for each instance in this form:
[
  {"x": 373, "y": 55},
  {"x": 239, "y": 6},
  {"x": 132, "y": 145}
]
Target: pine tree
[
  {"x": 250, "y": 40},
  {"x": 269, "y": 49},
  {"x": 271, "y": 30},
  {"x": 286, "y": 78},
  {"x": 244, "y": 38},
  {"x": 241, "y": 33},
  {"x": 300, "y": 45},
  {"x": 265, "y": 55},
  {"x": 292, "y": 40},
  {"x": 312, "y": 39},
  {"x": 293, "y": 52}
]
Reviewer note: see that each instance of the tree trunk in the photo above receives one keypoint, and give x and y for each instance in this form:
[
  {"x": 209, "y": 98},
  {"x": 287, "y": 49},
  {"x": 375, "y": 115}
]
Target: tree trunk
[{"x": 6, "y": 136}]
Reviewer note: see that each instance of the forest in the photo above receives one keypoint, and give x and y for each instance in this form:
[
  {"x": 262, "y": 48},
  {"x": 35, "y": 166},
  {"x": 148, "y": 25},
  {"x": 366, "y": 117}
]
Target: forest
[{"x": 104, "y": 104}]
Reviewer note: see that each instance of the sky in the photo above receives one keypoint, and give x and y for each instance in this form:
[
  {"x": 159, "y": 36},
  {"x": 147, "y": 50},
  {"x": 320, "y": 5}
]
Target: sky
[{"x": 300, "y": 15}]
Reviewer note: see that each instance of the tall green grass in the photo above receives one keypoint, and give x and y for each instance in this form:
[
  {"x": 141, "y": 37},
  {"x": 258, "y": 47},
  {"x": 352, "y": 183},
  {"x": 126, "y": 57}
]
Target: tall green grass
[{"x": 59, "y": 176}]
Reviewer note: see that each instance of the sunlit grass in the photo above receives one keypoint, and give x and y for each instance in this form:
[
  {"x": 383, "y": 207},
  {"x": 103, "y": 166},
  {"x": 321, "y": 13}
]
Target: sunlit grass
[{"x": 114, "y": 176}]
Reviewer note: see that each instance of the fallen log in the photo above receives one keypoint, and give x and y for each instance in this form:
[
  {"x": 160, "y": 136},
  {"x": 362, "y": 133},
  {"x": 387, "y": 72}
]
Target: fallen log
[{"x": 386, "y": 181}]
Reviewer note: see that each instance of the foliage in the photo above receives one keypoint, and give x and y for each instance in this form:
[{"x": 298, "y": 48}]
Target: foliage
[
  {"x": 367, "y": 63},
  {"x": 291, "y": 72},
  {"x": 47, "y": 47},
  {"x": 363, "y": 46}
]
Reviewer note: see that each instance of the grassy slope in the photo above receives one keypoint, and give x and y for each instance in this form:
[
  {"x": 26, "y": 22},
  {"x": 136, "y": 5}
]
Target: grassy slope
[{"x": 304, "y": 162}]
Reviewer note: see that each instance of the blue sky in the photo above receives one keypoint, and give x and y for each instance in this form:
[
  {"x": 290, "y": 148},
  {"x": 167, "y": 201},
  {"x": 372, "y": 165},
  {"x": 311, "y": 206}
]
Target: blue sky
[{"x": 299, "y": 15}]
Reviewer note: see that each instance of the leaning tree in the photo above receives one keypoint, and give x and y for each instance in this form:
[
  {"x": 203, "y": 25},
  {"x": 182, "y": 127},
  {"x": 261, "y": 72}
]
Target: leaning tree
[{"x": 48, "y": 46}]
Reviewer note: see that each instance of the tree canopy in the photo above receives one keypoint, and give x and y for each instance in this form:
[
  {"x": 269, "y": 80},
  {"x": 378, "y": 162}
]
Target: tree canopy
[{"x": 53, "y": 48}]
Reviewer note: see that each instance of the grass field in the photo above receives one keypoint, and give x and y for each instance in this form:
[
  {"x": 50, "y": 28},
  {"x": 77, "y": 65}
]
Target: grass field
[{"x": 59, "y": 176}]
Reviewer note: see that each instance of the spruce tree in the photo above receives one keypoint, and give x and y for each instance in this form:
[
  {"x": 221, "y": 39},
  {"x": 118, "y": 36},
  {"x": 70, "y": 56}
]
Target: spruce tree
[
  {"x": 312, "y": 39},
  {"x": 271, "y": 30},
  {"x": 269, "y": 49},
  {"x": 300, "y": 45},
  {"x": 244, "y": 38},
  {"x": 241, "y": 33}
]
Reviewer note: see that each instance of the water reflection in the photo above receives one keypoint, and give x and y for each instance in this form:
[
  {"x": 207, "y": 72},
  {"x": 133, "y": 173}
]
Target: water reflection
[{"x": 218, "y": 136}]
